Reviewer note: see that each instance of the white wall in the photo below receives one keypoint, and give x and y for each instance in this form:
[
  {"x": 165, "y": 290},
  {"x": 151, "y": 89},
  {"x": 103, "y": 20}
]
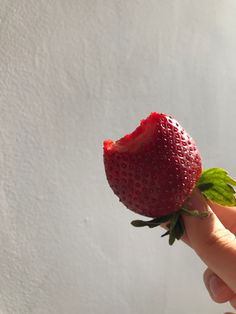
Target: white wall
[{"x": 71, "y": 74}]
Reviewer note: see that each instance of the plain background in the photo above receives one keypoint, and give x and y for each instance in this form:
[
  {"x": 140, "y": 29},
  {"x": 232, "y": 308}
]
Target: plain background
[{"x": 73, "y": 73}]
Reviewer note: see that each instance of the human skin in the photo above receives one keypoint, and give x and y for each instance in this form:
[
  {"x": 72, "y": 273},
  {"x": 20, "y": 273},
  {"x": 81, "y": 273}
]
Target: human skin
[{"x": 213, "y": 239}]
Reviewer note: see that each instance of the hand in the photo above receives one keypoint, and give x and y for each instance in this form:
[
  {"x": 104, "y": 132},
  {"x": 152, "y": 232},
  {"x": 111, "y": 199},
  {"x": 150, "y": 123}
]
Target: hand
[{"x": 213, "y": 239}]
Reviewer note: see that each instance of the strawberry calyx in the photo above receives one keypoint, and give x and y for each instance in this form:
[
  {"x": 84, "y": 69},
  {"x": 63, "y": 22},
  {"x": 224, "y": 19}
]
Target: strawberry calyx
[
  {"x": 175, "y": 225},
  {"x": 215, "y": 184}
]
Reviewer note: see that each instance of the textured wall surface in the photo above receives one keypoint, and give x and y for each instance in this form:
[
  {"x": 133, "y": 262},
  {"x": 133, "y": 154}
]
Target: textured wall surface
[{"x": 71, "y": 74}]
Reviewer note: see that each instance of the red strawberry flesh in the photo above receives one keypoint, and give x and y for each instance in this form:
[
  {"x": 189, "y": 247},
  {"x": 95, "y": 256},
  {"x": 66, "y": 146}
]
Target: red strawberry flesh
[{"x": 155, "y": 168}]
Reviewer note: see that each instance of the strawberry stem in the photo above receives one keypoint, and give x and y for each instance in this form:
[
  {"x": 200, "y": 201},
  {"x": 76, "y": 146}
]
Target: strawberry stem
[{"x": 194, "y": 213}]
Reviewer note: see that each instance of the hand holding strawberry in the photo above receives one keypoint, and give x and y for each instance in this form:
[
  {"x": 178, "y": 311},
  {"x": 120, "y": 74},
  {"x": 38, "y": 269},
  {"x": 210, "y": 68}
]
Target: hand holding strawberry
[
  {"x": 154, "y": 170},
  {"x": 213, "y": 239}
]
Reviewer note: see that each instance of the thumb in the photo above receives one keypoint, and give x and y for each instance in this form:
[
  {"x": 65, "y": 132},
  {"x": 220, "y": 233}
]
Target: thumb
[{"x": 214, "y": 244}]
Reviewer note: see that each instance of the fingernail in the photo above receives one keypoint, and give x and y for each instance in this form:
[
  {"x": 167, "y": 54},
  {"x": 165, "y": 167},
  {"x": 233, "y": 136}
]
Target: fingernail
[{"x": 216, "y": 286}]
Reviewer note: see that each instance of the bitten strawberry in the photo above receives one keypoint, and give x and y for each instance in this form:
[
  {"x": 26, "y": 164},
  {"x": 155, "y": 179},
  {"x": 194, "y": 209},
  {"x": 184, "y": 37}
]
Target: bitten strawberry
[{"x": 154, "y": 169}]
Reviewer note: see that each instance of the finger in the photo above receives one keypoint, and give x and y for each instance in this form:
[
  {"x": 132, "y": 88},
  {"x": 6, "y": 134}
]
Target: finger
[
  {"x": 215, "y": 244},
  {"x": 227, "y": 215},
  {"x": 233, "y": 302},
  {"x": 216, "y": 287}
]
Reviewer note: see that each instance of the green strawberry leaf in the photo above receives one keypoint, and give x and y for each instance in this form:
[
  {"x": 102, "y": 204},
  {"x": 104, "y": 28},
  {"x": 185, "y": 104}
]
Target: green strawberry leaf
[
  {"x": 217, "y": 186},
  {"x": 176, "y": 228},
  {"x": 172, "y": 230},
  {"x": 151, "y": 223},
  {"x": 166, "y": 233},
  {"x": 179, "y": 228}
]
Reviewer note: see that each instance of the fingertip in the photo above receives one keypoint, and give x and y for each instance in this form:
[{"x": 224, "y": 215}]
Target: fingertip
[{"x": 218, "y": 290}]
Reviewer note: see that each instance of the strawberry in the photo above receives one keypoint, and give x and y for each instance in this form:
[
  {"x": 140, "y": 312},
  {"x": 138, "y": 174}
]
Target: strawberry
[{"x": 154, "y": 169}]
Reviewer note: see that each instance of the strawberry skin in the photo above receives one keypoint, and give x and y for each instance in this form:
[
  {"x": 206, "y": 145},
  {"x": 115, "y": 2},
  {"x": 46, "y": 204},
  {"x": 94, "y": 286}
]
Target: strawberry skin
[{"x": 154, "y": 169}]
